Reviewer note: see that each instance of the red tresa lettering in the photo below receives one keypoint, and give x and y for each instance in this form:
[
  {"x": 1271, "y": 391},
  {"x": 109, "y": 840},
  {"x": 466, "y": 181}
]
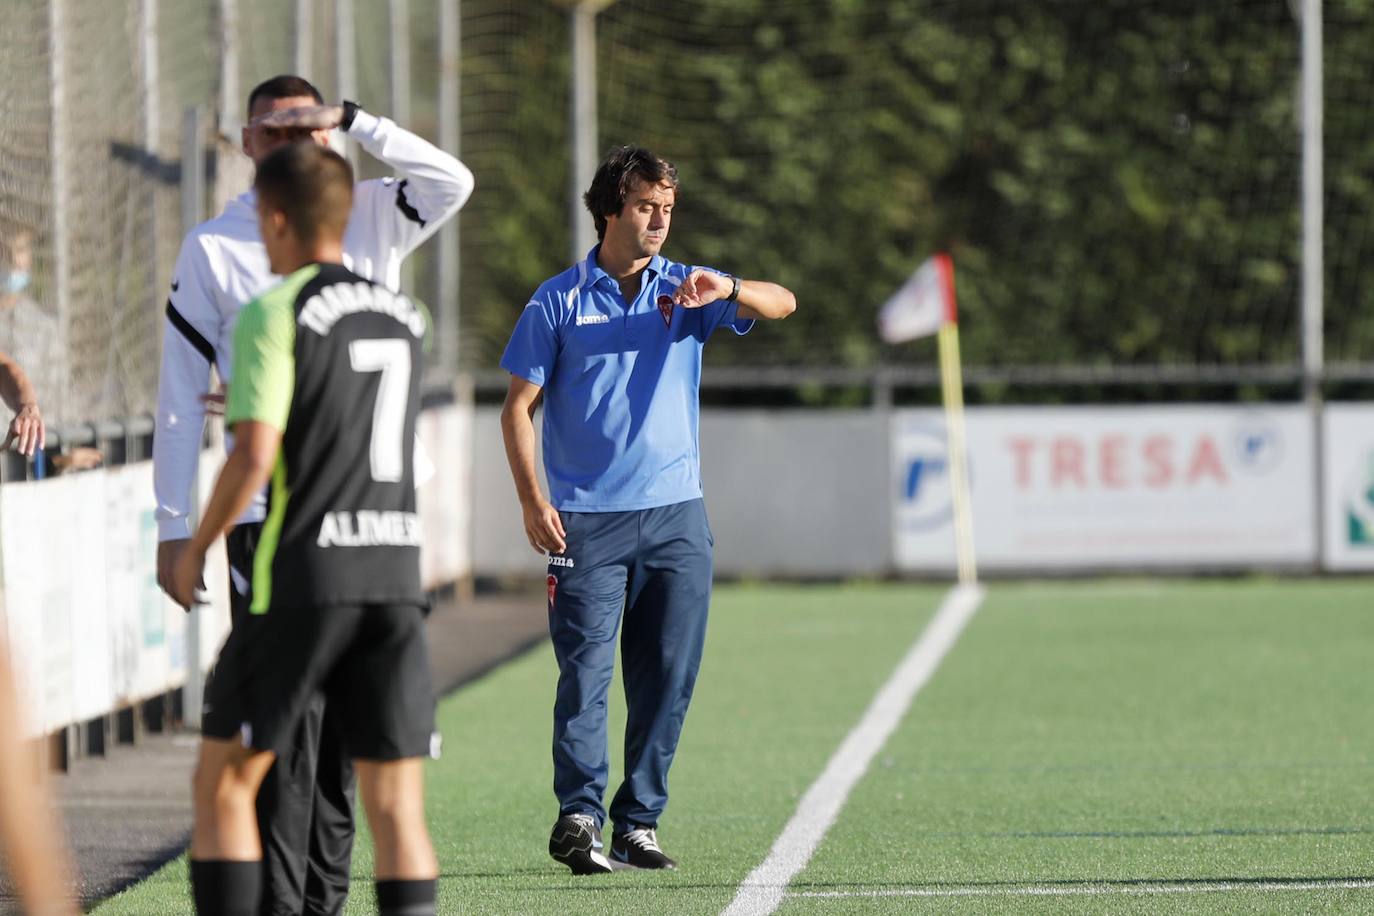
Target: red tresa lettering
[{"x": 1116, "y": 461}]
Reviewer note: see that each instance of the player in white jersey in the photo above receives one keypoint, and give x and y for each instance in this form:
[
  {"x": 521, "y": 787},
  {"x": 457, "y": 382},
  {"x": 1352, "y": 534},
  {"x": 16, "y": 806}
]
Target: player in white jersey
[{"x": 304, "y": 812}]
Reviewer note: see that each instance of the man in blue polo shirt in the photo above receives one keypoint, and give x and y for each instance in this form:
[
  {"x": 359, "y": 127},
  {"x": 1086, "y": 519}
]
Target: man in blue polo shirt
[{"x": 613, "y": 347}]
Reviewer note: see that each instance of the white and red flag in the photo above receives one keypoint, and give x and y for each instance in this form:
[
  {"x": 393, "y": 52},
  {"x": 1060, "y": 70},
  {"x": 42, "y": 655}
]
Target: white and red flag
[{"x": 923, "y": 305}]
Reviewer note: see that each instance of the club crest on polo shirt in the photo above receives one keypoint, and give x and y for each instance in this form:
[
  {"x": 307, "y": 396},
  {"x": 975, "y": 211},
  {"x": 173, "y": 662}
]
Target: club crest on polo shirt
[
  {"x": 665, "y": 308},
  {"x": 553, "y": 589}
]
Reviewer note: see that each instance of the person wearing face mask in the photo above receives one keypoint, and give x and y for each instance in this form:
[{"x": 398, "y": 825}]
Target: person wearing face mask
[{"x": 30, "y": 333}]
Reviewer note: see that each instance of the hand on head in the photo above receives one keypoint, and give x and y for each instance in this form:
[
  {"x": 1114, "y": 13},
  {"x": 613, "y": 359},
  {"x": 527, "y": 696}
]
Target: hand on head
[{"x": 306, "y": 118}]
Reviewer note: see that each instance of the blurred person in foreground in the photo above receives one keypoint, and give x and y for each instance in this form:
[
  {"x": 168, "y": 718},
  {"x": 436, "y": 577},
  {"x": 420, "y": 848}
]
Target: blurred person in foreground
[
  {"x": 612, "y": 346},
  {"x": 337, "y": 605},
  {"x": 305, "y": 809},
  {"x": 30, "y": 843},
  {"x": 32, "y": 853}
]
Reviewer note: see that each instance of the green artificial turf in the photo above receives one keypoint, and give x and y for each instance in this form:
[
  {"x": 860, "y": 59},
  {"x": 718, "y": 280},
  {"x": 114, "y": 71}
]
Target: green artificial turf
[
  {"x": 787, "y": 672},
  {"x": 1117, "y": 733},
  {"x": 1078, "y": 735}
]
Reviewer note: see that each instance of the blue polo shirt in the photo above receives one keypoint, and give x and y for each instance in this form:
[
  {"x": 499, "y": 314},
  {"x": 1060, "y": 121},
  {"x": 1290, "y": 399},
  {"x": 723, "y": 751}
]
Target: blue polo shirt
[{"x": 620, "y": 385}]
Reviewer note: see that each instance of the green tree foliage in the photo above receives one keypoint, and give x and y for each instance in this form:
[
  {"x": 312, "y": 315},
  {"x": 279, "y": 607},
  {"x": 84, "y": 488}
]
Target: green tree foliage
[{"x": 1117, "y": 180}]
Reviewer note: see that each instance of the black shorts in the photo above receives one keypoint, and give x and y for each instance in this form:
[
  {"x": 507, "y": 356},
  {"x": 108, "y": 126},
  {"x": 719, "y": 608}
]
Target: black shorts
[{"x": 369, "y": 661}]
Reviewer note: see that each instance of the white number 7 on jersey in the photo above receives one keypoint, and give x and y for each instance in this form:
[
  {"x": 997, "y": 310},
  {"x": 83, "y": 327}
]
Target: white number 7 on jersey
[{"x": 390, "y": 357}]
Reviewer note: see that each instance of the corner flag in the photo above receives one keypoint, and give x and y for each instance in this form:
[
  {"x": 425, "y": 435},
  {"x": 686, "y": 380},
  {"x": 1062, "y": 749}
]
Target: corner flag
[{"x": 924, "y": 305}]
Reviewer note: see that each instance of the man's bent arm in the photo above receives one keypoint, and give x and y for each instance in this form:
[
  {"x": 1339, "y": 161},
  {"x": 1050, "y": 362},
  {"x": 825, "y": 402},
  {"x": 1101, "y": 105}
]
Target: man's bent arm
[
  {"x": 759, "y": 299},
  {"x": 436, "y": 183},
  {"x": 517, "y": 429},
  {"x": 244, "y": 475},
  {"x": 188, "y": 352},
  {"x": 543, "y": 524},
  {"x": 27, "y": 429},
  {"x": 15, "y": 388}
]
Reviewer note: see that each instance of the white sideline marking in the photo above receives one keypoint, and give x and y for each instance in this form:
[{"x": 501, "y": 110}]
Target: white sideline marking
[
  {"x": 1084, "y": 890},
  {"x": 762, "y": 890}
]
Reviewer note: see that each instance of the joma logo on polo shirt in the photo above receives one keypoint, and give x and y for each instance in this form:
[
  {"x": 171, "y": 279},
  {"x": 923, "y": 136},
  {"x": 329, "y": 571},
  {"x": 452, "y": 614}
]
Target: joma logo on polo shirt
[{"x": 593, "y": 319}]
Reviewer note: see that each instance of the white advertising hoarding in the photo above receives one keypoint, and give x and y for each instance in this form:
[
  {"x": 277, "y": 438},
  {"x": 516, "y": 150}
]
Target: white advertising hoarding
[
  {"x": 149, "y": 629},
  {"x": 1349, "y": 486},
  {"x": 88, "y": 629},
  {"x": 1129, "y": 487},
  {"x": 37, "y": 519},
  {"x": 445, "y": 499}
]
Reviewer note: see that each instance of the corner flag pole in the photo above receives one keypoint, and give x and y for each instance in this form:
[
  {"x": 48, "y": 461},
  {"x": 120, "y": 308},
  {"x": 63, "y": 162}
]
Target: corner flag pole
[
  {"x": 925, "y": 305},
  {"x": 952, "y": 391}
]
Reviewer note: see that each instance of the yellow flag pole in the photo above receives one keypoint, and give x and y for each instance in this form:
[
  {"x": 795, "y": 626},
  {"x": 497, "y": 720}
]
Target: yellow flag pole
[{"x": 952, "y": 389}]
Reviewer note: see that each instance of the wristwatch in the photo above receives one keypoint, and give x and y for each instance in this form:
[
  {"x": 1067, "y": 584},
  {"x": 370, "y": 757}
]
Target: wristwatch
[
  {"x": 734, "y": 291},
  {"x": 351, "y": 110}
]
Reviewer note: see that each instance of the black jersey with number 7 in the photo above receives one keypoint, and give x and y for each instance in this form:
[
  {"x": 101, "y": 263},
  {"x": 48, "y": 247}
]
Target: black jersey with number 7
[{"x": 334, "y": 361}]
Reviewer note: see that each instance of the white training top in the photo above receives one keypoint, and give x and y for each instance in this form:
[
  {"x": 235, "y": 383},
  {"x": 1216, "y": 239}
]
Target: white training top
[{"x": 223, "y": 265}]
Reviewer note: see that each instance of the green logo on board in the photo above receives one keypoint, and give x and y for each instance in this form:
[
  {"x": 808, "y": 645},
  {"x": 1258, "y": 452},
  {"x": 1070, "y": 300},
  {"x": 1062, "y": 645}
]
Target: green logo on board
[{"x": 1359, "y": 506}]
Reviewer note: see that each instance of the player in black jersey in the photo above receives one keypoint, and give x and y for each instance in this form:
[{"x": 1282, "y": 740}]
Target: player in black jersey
[{"x": 326, "y": 370}]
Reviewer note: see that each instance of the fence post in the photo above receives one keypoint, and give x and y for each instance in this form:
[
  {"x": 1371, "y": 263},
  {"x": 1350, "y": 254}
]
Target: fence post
[
  {"x": 230, "y": 98},
  {"x": 346, "y": 62},
  {"x": 192, "y": 212},
  {"x": 303, "y": 56},
  {"x": 584, "y": 124},
  {"x": 152, "y": 121},
  {"x": 450, "y": 140},
  {"x": 398, "y": 64},
  {"x": 398, "y": 59},
  {"x": 1313, "y": 272},
  {"x": 61, "y": 188}
]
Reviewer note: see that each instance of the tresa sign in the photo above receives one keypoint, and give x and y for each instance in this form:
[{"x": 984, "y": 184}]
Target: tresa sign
[{"x": 1068, "y": 488}]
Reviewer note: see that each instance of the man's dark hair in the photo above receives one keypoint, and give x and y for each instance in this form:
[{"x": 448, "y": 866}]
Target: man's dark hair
[
  {"x": 285, "y": 86},
  {"x": 312, "y": 185},
  {"x": 617, "y": 174}
]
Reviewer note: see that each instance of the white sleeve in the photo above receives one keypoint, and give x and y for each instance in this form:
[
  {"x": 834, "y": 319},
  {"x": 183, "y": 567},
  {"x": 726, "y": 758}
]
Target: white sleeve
[
  {"x": 188, "y": 352},
  {"x": 430, "y": 186}
]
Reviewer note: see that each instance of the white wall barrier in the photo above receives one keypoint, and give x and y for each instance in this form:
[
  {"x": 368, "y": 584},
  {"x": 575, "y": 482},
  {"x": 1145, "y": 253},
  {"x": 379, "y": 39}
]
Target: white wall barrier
[
  {"x": 88, "y": 629},
  {"x": 445, "y": 500},
  {"x": 1188, "y": 487},
  {"x": 809, "y": 493},
  {"x": 789, "y": 493},
  {"x": 826, "y": 493}
]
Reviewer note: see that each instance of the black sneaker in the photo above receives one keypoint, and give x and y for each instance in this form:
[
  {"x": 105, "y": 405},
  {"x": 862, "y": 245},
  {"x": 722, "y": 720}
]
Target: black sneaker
[
  {"x": 576, "y": 842},
  {"x": 639, "y": 848}
]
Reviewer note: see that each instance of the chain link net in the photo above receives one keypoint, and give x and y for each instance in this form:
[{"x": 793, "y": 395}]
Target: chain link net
[
  {"x": 26, "y": 173},
  {"x": 92, "y": 121},
  {"x": 112, "y": 277},
  {"x": 1118, "y": 181},
  {"x": 1348, "y": 137}
]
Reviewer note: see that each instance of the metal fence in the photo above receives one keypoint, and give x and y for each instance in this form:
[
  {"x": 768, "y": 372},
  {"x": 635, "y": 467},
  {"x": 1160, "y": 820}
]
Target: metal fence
[
  {"x": 1207, "y": 288},
  {"x": 93, "y": 103}
]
